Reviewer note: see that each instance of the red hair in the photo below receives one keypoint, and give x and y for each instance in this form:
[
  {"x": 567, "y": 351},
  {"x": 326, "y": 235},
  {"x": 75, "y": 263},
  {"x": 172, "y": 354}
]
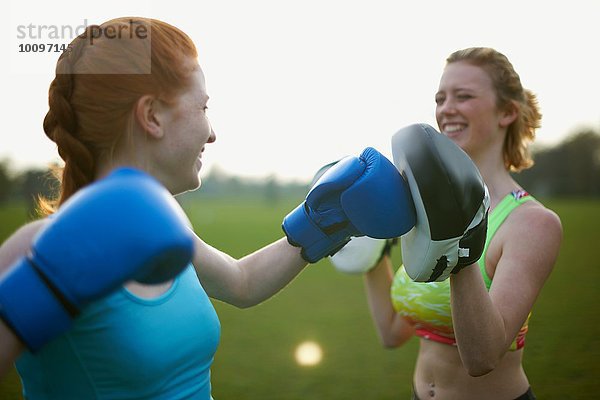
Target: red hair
[{"x": 98, "y": 81}]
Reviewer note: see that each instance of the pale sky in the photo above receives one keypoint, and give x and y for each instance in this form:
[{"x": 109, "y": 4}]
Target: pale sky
[{"x": 297, "y": 84}]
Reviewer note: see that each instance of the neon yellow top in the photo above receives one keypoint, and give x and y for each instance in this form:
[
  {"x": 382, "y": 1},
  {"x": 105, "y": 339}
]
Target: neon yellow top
[{"x": 427, "y": 304}]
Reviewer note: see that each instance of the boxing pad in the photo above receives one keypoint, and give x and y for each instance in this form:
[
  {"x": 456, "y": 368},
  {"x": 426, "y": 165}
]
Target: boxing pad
[
  {"x": 357, "y": 196},
  {"x": 450, "y": 199},
  {"x": 359, "y": 255},
  {"x": 126, "y": 226}
]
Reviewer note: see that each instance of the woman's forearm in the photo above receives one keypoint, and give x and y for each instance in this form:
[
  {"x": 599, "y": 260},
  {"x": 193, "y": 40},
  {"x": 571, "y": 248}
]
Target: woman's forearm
[
  {"x": 251, "y": 279},
  {"x": 393, "y": 330},
  {"x": 269, "y": 270},
  {"x": 478, "y": 326}
]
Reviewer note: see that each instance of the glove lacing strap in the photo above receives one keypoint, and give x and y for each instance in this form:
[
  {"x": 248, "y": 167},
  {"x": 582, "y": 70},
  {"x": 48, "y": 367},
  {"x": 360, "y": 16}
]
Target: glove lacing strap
[{"x": 68, "y": 306}]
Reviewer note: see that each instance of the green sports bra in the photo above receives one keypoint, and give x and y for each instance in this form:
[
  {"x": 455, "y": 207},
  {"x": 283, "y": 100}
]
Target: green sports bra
[{"x": 427, "y": 304}]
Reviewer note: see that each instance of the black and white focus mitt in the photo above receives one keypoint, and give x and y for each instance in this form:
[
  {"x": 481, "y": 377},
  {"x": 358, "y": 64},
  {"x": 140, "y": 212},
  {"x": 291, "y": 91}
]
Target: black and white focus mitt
[{"x": 451, "y": 202}]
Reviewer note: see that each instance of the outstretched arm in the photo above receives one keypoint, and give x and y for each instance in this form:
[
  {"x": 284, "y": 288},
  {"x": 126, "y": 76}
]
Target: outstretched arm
[
  {"x": 358, "y": 196},
  {"x": 251, "y": 279}
]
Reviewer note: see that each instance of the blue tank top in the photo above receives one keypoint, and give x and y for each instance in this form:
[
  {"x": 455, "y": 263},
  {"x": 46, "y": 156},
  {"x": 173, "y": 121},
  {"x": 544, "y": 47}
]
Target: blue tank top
[{"x": 127, "y": 347}]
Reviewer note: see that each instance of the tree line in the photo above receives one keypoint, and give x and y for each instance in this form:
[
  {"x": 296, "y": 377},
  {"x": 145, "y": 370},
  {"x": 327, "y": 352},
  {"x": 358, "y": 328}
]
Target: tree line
[{"x": 568, "y": 169}]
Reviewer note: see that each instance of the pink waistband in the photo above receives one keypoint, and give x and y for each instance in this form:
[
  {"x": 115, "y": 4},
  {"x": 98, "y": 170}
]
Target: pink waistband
[
  {"x": 519, "y": 342},
  {"x": 425, "y": 334}
]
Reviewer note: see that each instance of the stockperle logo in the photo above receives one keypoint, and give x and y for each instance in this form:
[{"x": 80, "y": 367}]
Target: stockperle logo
[{"x": 38, "y": 45}]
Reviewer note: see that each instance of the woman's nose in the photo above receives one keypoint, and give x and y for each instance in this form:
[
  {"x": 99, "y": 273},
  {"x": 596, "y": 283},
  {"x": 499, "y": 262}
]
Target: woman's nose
[
  {"x": 212, "y": 137},
  {"x": 447, "y": 107}
]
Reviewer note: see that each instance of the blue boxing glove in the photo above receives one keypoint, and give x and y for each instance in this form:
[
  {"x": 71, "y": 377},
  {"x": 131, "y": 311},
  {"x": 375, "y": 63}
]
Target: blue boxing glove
[
  {"x": 357, "y": 196},
  {"x": 124, "y": 227}
]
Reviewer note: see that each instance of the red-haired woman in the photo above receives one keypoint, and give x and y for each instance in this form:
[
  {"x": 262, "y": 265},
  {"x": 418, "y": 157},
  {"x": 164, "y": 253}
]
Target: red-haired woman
[{"x": 130, "y": 93}]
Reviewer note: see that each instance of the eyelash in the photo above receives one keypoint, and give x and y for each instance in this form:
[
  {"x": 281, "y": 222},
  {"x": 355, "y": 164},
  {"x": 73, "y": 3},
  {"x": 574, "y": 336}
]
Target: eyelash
[{"x": 441, "y": 100}]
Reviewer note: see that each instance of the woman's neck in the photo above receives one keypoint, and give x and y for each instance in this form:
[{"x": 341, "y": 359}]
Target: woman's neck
[{"x": 495, "y": 175}]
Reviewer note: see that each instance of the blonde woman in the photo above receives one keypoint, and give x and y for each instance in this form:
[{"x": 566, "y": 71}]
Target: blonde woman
[{"x": 472, "y": 327}]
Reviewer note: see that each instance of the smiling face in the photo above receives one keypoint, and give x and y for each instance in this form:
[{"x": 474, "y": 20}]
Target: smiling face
[
  {"x": 466, "y": 109},
  {"x": 185, "y": 130}
]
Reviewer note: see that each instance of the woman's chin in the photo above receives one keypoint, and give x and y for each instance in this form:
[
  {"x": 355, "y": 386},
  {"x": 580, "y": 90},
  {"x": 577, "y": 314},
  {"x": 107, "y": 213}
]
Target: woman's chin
[
  {"x": 193, "y": 184},
  {"x": 458, "y": 138}
]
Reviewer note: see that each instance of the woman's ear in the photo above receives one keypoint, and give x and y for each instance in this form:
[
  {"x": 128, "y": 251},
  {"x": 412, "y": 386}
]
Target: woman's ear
[
  {"x": 146, "y": 113},
  {"x": 509, "y": 114}
]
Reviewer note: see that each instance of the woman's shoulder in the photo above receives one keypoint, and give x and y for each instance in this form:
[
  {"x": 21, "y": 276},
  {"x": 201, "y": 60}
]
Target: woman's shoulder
[
  {"x": 18, "y": 244},
  {"x": 534, "y": 216},
  {"x": 534, "y": 230}
]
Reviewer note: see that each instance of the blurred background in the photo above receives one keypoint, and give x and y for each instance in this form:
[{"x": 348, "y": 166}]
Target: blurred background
[
  {"x": 296, "y": 85},
  {"x": 315, "y": 339}
]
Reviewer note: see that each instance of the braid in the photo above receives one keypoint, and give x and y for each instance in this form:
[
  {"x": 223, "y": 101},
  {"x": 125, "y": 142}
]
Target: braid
[
  {"x": 60, "y": 125},
  {"x": 63, "y": 84}
]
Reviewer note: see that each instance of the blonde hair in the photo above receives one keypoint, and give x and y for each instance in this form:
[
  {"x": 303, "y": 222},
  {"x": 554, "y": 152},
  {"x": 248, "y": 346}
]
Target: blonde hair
[
  {"x": 509, "y": 92},
  {"x": 98, "y": 81}
]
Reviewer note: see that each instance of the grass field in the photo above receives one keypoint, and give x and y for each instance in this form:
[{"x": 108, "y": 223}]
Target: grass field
[{"x": 256, "y": 357}]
